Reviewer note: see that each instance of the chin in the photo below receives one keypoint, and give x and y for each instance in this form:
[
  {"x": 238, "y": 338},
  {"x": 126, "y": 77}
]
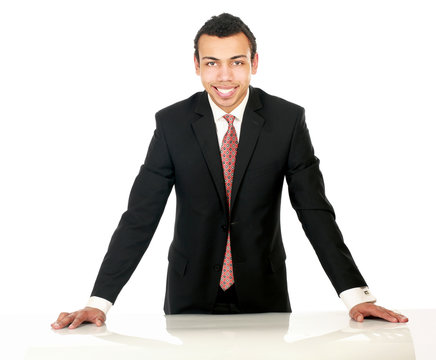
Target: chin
[
  {"x": 224, "y": 105},
  {"x": 224, "y": 102}
]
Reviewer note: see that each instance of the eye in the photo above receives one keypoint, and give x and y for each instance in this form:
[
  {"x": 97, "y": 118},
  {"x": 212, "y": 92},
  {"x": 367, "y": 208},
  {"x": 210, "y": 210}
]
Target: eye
[
  {"x": 211, "y": 63},
  {"x": 238, "y": 63}
]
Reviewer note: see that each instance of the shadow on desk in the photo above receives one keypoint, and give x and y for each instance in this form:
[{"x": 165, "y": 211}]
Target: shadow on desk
[{"x": 248, "y": 336}]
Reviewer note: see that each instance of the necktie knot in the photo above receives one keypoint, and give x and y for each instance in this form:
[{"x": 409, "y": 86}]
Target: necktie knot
[{"x": 229, "y": 118}]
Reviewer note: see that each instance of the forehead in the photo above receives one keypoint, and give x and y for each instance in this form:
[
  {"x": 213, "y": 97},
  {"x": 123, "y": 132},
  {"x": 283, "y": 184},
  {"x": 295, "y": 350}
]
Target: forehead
[{"x": 223, "y": 47}]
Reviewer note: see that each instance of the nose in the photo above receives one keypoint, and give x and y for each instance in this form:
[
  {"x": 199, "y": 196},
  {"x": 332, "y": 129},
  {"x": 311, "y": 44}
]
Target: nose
[{"x": 225, "y": 73}]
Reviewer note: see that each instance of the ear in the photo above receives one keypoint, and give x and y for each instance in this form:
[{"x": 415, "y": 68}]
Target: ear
[
  {"x": 197, "y": 65},
  {"x": 254, "y": 64}
]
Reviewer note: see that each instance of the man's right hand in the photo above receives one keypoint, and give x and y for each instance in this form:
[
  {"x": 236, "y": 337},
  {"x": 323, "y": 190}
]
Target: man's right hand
[{"x": 74, "y": 319}]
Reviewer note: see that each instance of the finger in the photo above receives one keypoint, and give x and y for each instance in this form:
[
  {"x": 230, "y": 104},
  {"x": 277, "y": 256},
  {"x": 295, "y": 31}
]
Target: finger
[
  {"x": 62, "y": 315},
  {"x": 98, "y": 319},
  {"x": 77, "y": 321},
  {"x": 64, "y": 321},
  {"x": 357, "y": 316},
  {"x": 400, "y": 317},
  {"x": 95, "y": 316},
  {"x": 403, "y": 319},
  {"x": 385, "y": 314},
  {"x": 98, "y": 322}
]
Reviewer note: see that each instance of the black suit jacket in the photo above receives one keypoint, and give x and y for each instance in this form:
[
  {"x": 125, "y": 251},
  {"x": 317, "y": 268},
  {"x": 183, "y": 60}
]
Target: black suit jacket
[{"x": 184, "y": 152}]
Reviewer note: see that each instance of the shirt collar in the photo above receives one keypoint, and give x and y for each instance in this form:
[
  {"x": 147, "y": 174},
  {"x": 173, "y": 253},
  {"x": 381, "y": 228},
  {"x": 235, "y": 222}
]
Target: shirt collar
[{"x": 238, "y": 112}]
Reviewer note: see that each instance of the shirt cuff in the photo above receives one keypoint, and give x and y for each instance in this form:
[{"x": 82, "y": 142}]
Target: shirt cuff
[
  {"x": 358, "y": 295},
  {"x": 99, "y": 303}
]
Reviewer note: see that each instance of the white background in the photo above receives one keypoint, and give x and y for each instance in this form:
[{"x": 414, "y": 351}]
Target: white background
[{"x": 80, "y": 82}]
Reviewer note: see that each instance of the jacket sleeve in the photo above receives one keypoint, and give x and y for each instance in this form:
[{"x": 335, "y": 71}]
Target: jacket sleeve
[
  {"x": 316, "y": 214},
  {"x": 135, "y": 230}
]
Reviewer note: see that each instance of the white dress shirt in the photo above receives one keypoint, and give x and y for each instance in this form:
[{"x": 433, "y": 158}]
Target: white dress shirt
[{"x": 350, "y": 297}]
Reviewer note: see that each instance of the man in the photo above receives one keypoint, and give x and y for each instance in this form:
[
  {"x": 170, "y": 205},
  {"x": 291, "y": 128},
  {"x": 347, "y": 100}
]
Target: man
[{"x": 227, "y": 152}]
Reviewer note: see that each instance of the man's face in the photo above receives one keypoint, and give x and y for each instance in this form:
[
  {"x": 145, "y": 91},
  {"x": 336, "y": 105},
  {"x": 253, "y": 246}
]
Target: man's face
[{"x": 225, "y": 68}]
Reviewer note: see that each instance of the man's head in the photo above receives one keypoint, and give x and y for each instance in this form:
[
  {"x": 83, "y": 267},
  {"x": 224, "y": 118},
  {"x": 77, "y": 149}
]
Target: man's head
[
  {"x": 225, "y": 25},
  {"x": 225, "y": 58}
]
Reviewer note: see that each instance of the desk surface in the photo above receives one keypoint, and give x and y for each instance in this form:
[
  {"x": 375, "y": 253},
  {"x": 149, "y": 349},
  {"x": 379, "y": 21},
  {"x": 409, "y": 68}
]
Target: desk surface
[{"x": 327, "y": 335}]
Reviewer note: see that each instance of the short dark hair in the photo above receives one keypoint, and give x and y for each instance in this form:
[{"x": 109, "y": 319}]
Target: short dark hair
[{"x": 225, "y": 25}]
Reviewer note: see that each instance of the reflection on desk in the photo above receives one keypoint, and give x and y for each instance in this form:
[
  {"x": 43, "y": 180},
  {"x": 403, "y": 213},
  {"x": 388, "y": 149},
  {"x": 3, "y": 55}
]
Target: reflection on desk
[{"x": 249, "y": 336}]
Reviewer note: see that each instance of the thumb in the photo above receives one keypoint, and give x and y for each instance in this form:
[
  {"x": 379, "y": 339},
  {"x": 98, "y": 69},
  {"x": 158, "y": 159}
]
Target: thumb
[{"x": 357, "y": 316}]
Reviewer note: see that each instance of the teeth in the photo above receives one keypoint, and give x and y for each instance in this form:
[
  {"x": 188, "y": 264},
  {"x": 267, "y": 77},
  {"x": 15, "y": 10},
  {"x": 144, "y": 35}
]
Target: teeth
[{"x": 224, "y": 91}]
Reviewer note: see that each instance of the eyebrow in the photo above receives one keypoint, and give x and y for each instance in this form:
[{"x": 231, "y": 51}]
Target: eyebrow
[{"x": 215, "y": 59}]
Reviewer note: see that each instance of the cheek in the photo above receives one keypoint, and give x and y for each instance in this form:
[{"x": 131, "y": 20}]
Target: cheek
[
  {"x": 243, "y": 75},
  {"x": 207, "y": 76}
]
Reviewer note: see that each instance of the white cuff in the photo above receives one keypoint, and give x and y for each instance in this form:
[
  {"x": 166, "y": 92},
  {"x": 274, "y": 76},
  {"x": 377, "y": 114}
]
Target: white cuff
[
  {"x": 358, "y": 295},
  {"x": 99, "y": 303}
]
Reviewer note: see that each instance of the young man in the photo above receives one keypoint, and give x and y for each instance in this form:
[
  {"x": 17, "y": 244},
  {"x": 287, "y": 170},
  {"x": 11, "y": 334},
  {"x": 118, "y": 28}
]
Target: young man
[{"x": 227, "y": 151}]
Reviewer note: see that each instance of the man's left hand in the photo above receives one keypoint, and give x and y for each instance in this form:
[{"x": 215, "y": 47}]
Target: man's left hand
[{"x": 361, "y": 311}]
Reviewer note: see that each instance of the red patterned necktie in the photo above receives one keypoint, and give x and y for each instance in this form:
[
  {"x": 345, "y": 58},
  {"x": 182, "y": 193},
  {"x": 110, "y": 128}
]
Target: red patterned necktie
[{"x": 228, "y": 157}]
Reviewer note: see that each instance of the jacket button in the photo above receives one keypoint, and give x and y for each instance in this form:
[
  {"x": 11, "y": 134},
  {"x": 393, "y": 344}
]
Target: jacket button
[
  {"x": 217, "y": 267},
  {"x": 224, "y": 227}
]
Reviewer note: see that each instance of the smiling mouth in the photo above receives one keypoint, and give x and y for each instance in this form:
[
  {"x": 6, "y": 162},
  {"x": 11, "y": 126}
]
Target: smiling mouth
[{"x": 224, "y": 92}]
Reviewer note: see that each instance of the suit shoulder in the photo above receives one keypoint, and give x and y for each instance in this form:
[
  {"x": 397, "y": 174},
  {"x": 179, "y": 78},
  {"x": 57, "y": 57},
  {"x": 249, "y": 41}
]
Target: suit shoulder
[
  {"x": 277, "y": 104},
  {"x": 180, "y": 108}
]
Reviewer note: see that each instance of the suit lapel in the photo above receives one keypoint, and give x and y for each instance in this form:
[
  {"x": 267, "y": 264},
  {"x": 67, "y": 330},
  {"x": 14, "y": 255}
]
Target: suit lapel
[
  {"x": 250, "y": 131},
  {"x": 205, "y": 131}
]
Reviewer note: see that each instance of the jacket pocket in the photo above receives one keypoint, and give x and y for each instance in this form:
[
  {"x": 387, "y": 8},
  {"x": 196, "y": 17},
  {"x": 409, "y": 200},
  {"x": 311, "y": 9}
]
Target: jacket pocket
[
  {"x": 263, "y": 170},
  {"x": 177, "y": 261}
]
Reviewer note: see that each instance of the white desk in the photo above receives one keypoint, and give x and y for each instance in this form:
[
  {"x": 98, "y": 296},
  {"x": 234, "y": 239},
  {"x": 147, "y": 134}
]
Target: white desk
[{"x": 255, "y": 336}]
